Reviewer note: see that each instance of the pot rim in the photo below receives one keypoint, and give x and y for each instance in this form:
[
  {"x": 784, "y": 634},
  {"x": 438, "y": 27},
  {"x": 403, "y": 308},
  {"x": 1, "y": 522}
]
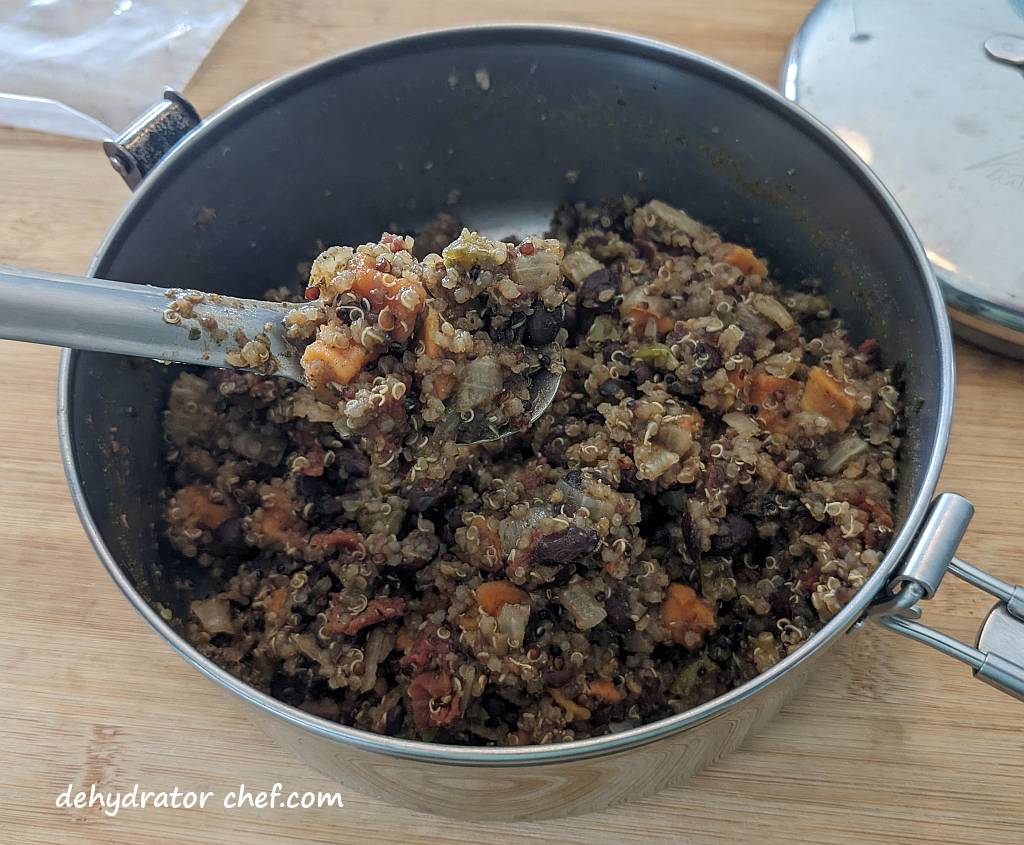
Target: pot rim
[{"x": 616, "y": 42}]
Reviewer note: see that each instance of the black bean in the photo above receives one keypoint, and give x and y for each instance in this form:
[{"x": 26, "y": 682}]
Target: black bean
[
  {"x": 564, "y": 546},
  {"x": 311, "y": 486},
  {"x": 645, "y": 249},
  {"x": 738, "y": 535},
  {"x": 393, "y": 720},
  {"x": 291, "y": 689},
  {"x": 558, "y": 678},
  {"x": 651, "y": 701},
  {"x": 423, "y": 495},
  {"x": 618, "y": 614},
  {"x": 641, "y": 373},
  {"x": 598, "y": 292},
  {"x": 329, "y": 506},
  {"x": 714, "y": 359},
  {"x": 542, "y": 326},
  {"x": 230, "y": 536},
  {"x": 629, "y": 483},
  {"x": 574, "y": 478},
  {"x": 498, "y": 710},
  {"x": 674, "y": 500},
  {"x": 615, "y": 389},
  {"x": 352, "y": 462}
]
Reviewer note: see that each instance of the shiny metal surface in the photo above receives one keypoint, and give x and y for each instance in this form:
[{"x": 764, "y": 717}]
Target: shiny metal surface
[
  {"x": 130, "y": 319},
  {"x": 1002, "y": 639},
  {"x": 1009, "y": 594},
  {"x": 728, "y": 149},
  {"x": 999, "y": 658},
  {"x": 137, "y": 150},
  {"x": 936, "y": 544},
  {"x": 915, "y": 89}
]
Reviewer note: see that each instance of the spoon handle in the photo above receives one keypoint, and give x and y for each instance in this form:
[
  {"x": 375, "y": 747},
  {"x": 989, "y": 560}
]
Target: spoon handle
[{"x": 140, "y": 320}]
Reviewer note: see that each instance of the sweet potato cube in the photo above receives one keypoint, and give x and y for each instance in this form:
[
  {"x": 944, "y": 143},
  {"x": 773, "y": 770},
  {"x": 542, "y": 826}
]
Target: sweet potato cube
[
  {"x": 766, "y": 388},
  {"x": 492, "y": 596},
  {"x": 825, "y": 396},
  {"x": 746, "y": 262},
  {"x": 325, "y": 364}
]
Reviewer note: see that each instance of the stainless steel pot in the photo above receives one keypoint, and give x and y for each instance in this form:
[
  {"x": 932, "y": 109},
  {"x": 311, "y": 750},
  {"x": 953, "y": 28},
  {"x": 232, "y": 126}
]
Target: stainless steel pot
[{"x": 505, "y": 118}]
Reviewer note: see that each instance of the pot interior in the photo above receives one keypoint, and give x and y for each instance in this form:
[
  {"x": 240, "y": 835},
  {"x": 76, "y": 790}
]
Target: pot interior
[{"x": 502, "y": 126}]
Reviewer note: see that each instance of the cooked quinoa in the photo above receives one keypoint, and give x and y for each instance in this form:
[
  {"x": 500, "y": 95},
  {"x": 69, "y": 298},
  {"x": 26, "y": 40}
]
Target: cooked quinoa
[
  {"x": 712, "y": 483},
  {"x": 417, "y": 354}
]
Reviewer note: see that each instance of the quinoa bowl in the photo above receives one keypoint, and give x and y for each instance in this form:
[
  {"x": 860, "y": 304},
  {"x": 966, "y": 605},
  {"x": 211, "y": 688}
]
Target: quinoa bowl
[{"x": 505, "y": 122}]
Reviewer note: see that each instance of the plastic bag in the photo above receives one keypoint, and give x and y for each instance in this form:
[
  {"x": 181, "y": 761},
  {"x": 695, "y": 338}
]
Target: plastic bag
[{"x": 88, "y": 68}]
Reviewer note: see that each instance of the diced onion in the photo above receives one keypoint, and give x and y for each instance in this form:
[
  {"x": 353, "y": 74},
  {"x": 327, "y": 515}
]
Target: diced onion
[
  {"x": 576, "y": 598},
  {"x": 481, "y": 385},
  {"x": 577, "y": 265},
  {"x": 512, "y": 621},
  {"x": 741, "y": 422},
  {"x": 541, "y": 268},
  {"x": 846, "y": 450},
  {"x": 768, "y": 306},
  {"x": 214, "y": 614}
]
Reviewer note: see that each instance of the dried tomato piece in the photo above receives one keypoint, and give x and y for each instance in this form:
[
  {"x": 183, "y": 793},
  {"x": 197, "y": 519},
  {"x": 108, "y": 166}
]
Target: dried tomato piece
[
  {"x": 435, "y": 703},
  {"x": 378, "y": 610}
]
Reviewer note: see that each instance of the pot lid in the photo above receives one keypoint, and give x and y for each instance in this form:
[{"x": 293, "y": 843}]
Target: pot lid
[{"x": 931, "y": 95}]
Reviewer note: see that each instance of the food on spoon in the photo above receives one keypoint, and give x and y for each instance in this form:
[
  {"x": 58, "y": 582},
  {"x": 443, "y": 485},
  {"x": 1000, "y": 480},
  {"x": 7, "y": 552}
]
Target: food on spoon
[
  {"x": 411, "y": 351},
  {"x": 712, "y": 483}
]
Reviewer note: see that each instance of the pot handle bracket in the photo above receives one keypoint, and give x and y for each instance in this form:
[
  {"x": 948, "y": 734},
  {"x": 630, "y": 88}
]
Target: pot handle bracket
[
  {"x": 137, "y": 150},
  {"x": 998, "y": 657}
]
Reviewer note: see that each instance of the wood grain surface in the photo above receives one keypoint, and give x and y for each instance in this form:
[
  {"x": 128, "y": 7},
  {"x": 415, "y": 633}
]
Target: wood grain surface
[{"x": 893, "y": 744}]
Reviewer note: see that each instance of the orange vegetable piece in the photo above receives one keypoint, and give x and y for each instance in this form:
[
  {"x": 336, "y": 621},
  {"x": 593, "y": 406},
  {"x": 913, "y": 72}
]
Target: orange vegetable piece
[
  {"x": 763, "y": 387},
  {"x": 337, "y": 540},
  {"x": 685, "y": 616},
  {"x": 275, "y": 601},
  {"x": 824, "y": 396},
  {"x": 431, "y": 326},
  {"x": 605, "y": 690},
  {"x": 641, "y": 317},
  {"x": 492, "y": 596},
  {"x": 367, "y": 280},
  {"x": 324, "y": 364},
  {"x": 405, "y": 300},
  {"x": 737, "y": 378},
  {"x": 746, "y": 262},
  {"x": 577, "y": 712},
  {"x": 279, "y": 523},
  {"x": 202, "y": 509}
]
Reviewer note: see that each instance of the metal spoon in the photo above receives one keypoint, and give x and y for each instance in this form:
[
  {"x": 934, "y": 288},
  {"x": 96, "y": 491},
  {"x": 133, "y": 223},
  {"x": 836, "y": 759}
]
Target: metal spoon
[{"x": 183, "y": 326}]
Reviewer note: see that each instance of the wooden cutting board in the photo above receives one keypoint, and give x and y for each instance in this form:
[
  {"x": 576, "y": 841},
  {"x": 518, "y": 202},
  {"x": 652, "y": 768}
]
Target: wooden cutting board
[{"x": 892, "y": 744}]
